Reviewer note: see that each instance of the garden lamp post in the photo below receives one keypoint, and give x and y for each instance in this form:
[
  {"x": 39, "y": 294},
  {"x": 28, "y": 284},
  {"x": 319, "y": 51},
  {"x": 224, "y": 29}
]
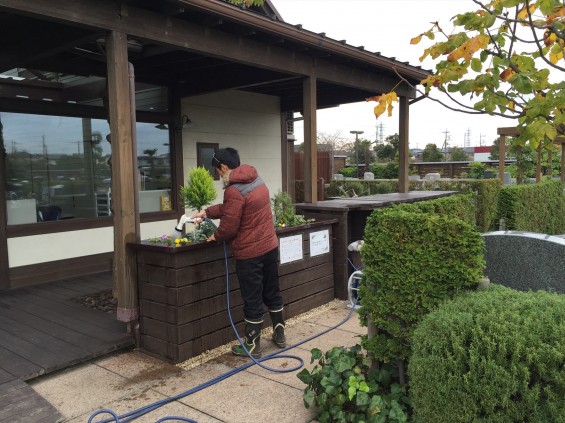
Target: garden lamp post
[{"x": 357, "y": 133}]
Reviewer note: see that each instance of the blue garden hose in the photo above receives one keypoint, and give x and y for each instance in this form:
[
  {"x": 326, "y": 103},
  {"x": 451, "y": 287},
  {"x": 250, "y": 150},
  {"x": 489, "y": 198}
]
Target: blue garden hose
[{"x": 132, "y": 415}]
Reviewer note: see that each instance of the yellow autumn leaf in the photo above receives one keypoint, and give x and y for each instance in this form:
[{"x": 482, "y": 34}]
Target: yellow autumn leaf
[
  {"x": 385, "y": 103},
  {"x": 380, "y": 109},
  {"x": 555, "y": 57},
  {"x": 550, "y": 39},
  {"x": 511, "y": 105},
  {"x": 507, "y": 74},
  {"x": 389, "y": 109},
  {"x": 559, "y": 13},
  {"x": 523, "y": 14},
  {"x": 470, "y": 47},
  {"x": 475, "y": 44},
  {"x": 416, "y": 40}
]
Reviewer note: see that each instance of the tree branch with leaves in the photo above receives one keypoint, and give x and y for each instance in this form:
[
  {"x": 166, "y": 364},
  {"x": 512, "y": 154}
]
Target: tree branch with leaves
[{"x": 507, "y": 58}]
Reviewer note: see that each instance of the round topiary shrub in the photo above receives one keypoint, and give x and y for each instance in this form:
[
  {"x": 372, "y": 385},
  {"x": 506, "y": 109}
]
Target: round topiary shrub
[{"x": 494, "y": 355}]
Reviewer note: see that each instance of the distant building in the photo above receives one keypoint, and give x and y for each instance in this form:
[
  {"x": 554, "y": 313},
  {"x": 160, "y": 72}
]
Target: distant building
[{"x": 482, "y": 153}]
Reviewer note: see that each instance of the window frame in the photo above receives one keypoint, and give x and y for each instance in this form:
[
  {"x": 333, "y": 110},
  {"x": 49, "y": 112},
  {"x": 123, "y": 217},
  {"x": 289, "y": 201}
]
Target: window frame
[
  {"x": 200, "y": 159},
  {"x": 26, "y": 106}
]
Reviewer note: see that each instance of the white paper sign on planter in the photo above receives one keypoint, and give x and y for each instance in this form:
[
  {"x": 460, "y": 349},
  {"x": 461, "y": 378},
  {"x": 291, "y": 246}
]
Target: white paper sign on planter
[
  {"x": 319, "y": 242},
  {"x": 290, "y": 248}
]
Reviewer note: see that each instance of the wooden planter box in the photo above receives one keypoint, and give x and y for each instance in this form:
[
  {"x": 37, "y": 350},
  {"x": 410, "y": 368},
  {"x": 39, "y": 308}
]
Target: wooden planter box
[{"x": 183, "y": 310}]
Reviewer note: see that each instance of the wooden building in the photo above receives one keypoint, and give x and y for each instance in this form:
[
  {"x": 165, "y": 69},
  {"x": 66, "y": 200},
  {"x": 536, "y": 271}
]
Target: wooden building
[{"x": 105, "y": 104}]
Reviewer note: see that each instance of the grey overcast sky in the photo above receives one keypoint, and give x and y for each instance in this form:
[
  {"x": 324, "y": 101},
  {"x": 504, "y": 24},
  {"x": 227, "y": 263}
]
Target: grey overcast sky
[{"x": 387, "y": 26}]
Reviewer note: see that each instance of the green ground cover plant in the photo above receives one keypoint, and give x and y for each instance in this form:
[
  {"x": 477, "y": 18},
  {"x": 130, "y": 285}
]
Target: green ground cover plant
[{"x": 344, "y": 388}]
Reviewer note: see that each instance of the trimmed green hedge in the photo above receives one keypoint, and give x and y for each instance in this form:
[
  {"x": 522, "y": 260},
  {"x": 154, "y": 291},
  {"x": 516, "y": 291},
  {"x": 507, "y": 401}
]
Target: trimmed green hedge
[
  {"x": 494, "y": 355},
  {"x": 486, "y": 190},
  {"x": 533, "y": 208},
  {"x": 456, "y": 206},
  {"x": 413, "y": 262}
]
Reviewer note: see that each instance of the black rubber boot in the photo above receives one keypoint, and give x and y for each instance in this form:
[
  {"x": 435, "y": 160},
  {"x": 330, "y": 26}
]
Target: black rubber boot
[
  {"x": 278, "y": 327},
  {"x": 252, "y": 340}
]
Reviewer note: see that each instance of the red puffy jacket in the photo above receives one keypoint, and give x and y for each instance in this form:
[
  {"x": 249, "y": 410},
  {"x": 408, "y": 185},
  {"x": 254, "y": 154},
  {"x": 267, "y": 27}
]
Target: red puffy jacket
[{"x": 245, "y": 215}]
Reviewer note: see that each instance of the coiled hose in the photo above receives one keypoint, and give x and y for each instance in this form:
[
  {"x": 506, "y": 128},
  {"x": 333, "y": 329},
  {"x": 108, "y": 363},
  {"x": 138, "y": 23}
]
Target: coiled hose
[{"x": 132, "y": 415}]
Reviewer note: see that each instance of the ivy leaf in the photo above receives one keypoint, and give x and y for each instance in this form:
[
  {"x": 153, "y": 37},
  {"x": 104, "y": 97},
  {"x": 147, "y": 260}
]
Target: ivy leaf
[
  {"x": 316, "y": 354},
  {"x": 308, "y": 397},
  {"x": 304, "y": 376},
  {"x": 362, "y": 399}
]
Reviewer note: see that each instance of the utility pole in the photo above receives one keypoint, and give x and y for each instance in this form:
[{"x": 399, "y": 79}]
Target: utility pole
[
  {"x": 445, "y": 143},
  {"x": 357, "y": 133},
  {"x": 467, "y": 142}
]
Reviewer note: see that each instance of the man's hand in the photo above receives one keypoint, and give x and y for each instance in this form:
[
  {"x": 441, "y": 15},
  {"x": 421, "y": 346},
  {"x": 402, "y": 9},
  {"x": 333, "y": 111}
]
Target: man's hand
[
  {"x": 199, "y": 215},
  {"x": 211, "y": 238}
]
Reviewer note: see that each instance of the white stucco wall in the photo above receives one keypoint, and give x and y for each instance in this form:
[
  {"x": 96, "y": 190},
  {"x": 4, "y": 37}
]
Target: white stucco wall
[
  {"x": 26, "y": 250},
  {"x": 247, "y": 122}
]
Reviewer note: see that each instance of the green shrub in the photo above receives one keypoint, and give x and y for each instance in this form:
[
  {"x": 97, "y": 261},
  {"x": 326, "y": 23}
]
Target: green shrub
[
  {"x": 344, "y": 188},
  {"x": 344, "y": 389},
  {"x": 385, "y": 171},
  {"x": 413, "y": 262},
  {"x": 456, "y": 206},
  {"x": 477, "y": 170},
  {"x": 486, "y": 191},
  {"x": 380, "y": 187},
  {"x": 494, "y": 355},
  {"x": 199, "y": 190},
  {"x": 348, "y": 172},
  {"x": 284, "y": 211},
  {"x": 533, "y": 208}
]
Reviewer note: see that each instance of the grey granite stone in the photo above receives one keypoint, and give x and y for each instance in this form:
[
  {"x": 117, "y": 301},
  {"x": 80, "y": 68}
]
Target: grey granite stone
[{"x": 525, "y": 260}]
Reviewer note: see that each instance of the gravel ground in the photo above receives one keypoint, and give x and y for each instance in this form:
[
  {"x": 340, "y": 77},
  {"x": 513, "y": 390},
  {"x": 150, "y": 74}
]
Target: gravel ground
[{"x": 101, "y": 301}]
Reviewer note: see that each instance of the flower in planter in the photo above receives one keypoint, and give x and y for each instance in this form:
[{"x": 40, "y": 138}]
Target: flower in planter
[
  {"x": 285, "y": 212},
  {"x": 169, "y": 241}
]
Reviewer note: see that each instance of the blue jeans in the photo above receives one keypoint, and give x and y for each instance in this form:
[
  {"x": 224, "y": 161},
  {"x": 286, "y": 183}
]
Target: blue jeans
[{"x": 259, "y": 284}]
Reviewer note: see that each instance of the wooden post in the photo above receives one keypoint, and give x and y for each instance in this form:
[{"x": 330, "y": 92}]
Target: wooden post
[
  {"x": 4, "y": 264},
  {"x": 126, "y": 224},
  {"x": 538, "y": 164},
  {"x": 501, "y": 157},
  {"x": 563, "y": 162},
  {"x": 310, "y": 149},
  {"x": 403, "y": 146}
]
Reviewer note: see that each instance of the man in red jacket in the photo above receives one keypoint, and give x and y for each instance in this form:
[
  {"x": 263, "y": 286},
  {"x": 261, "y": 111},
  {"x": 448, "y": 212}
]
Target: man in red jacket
[{"x": 247, "y": 221}]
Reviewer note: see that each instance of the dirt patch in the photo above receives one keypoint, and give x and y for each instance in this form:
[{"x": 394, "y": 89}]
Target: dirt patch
[{"x": 101, "y": 301}]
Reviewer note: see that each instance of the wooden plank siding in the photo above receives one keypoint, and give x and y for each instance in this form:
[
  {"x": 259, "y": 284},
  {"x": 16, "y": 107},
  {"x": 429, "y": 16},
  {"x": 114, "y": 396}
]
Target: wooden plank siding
[{"x": 183, "y": 304}]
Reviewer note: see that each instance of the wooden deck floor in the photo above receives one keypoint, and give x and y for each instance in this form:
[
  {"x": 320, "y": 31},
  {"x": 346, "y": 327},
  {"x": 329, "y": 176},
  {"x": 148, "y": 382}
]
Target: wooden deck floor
[{"x": 43, "y": 329}]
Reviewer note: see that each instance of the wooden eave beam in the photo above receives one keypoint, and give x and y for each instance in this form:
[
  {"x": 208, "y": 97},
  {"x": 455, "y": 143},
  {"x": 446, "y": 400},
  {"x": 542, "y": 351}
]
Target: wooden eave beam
[
  {"x": 509, "y": 131},
  {"x": 44, "y": 48},
  {"x": 108, "y": 15},
  {"x": 295, "y": 33}
]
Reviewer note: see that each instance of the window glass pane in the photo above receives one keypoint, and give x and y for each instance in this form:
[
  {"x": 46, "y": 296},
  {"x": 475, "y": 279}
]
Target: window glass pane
[
  {"x": 154, "y": 163},
  {"x": 58, "y": 167},
  {"x": 205, "y": 152}
]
